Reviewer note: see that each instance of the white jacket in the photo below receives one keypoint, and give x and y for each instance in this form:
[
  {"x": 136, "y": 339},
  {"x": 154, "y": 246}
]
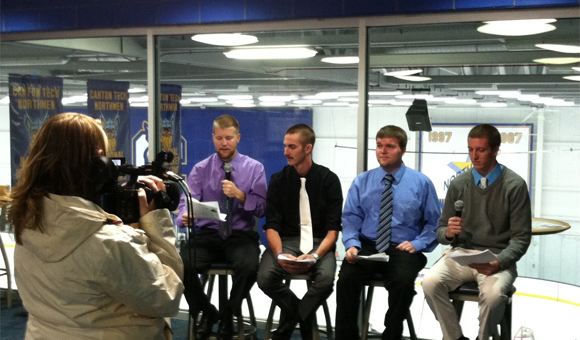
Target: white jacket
[{"x": 87, "y": 278}]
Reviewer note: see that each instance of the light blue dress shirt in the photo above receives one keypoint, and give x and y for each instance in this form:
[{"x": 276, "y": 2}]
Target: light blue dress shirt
[
  {"x": 416, "y": 209},
  {"x": 491, "y": 177}
]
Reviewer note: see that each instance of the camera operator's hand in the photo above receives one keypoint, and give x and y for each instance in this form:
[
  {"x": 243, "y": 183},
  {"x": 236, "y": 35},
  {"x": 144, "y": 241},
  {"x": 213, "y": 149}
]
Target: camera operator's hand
[{"x": 153, "y": 183}]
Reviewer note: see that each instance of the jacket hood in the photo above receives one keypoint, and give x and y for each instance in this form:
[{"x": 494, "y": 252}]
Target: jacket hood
[{"x": 68, "y": 221}]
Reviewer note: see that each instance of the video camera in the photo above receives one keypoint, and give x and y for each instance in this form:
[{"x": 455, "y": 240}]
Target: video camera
[{"x": 122, "y": 200}]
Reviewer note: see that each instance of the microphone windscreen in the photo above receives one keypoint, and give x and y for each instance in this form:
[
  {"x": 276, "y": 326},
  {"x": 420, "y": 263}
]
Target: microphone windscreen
[
  {"x": 458, "y": 205},
  {"x": 228, "y": 167}
]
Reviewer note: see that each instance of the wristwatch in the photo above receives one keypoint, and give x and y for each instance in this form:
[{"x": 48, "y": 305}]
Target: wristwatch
[{"x": 316, "y": 257}]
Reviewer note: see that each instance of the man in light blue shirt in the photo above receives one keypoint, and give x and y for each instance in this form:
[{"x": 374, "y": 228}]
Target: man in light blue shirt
[{"x": 412, "y": 225}]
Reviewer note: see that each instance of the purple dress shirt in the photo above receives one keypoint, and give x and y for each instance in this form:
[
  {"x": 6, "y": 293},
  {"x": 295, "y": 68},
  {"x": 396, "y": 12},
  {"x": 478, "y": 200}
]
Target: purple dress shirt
[{"x": 205, "y": 183}]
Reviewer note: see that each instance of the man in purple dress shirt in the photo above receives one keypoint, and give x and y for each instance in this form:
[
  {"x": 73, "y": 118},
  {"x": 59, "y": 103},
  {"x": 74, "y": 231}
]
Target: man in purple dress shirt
[{"x": 234, "y": 241}]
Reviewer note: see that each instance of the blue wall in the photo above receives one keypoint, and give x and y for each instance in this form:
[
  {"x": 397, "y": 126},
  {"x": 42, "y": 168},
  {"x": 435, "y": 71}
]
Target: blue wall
[{"x": 43, "y": 15}]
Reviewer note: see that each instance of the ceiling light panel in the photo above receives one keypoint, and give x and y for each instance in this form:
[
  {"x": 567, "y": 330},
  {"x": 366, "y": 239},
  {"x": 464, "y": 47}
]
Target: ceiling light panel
[
  {"x": 271, "y": 53},
  {"x": 517, "y": 27},
  {"x": 225, "y": 39},
  {"x": 340, "y": 60}
]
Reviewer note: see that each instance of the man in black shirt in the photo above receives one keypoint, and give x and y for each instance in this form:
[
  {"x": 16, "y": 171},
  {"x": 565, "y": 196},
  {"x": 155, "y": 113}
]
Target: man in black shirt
[{"x": 285, "y": 223}]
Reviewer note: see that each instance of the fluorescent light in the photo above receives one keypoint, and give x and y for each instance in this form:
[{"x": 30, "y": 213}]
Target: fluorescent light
[
  {"x": 415, "y": 96},
  {"x": 241, "y": 101},
  {"x": 307, "y": 101},
  {"x": 235, "y": 97},
  {"x": 510, "y": 94},
  {"x": 401, "y": 73},
  {"x": 331, "y": 95},
  {"x": 381, "y": 101},
  {"x": 573, "y": 78},
  {"x": 402, "y": 103},
  {"x": 348, "y": 99},
  {"x": 576, "y": 69},
  {"x": 225, "y": 39},
  {"x": 385, "y": 93},
  {"x": 271, "y": 103},
  {"x": 557, "y": 61},
  {"x": 497, "y": 93},
  {"x": 335, "y": 104},
  {"x": 527, "y": 97},
  {"x": 277, "y": 98},
  {"x": 5, "y": 100},
  {"x": 413, "y": 78},
  {"x": 457, "y": 101},
  {"x": 560, "y": 48},
  {"x": 74, "y": 99},
  {"x": 244, "y": 105},
  {"x": 137, "y": 90},
  {"x": 271, "y": 53},
  {"x": 184, "y": 102},
  {"x": 142, "y": 99},
  {"x": 202, "y": 99},
  {"x": 517, "y": 27},
  {"x": 139, "y": 104},
  {"x": 340, "y": 60},
  {"x": 493, "y": 104}
]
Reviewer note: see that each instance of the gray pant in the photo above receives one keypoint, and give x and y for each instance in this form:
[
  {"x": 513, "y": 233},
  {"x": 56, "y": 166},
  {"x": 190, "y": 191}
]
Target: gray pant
[
  {"x": 271, "y": 276},
  {"x": 446, "y": 275}
]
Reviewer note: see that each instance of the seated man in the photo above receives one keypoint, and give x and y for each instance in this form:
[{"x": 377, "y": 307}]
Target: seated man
[
  {"x": 304, "y": 205},
  {"x": 393, "y": 210},
  {"x": 496, "y": 216},
  {"x": 224, "y": 176}
]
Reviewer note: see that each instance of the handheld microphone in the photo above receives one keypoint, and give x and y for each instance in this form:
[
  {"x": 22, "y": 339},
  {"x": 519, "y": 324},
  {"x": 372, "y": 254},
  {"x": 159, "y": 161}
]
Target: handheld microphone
[
  {"x": 228, "y": 169},
  {"x": 458, "y": 210}
]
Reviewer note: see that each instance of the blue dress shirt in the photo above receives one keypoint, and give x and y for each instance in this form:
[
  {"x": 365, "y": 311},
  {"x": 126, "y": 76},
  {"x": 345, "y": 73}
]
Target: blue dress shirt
[
  {"x": 491, "y": 177},
  {"x": 416, "y": 209}
]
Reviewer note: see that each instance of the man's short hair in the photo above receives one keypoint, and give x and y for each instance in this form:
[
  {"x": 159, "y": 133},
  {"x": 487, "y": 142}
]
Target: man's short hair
[
  {"x": 307, "y": 135},
  {"x": 392, "y": 131},
  {"x": 486, "y": 131},
  {"x": 226, "y": 121}
]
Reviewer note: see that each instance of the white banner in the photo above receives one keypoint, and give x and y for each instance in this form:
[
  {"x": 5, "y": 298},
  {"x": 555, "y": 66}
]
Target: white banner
[{"x": 444, "y": 153}]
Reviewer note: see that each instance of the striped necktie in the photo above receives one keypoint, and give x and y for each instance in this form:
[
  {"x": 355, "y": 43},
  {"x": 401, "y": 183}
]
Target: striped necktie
[{"x": 386, "y": 216}]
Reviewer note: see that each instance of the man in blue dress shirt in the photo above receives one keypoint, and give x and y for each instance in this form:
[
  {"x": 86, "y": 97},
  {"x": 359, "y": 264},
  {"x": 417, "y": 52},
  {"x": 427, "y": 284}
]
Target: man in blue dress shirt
[
  {"x": 412, "y": 231},
  {"x": 235, "y": 243}
]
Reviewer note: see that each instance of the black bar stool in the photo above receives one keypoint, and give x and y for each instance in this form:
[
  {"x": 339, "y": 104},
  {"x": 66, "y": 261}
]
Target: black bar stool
[
  {"x": 469, "y": 291},
  {"x": 316, "y": 332},
  {"x": 247, "y": 329},
  {"x": 367, "y": 302}
]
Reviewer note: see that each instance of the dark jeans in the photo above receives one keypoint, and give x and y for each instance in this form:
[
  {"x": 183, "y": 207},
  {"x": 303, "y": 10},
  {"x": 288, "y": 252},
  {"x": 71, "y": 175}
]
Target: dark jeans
[
  {"x": 398, "y": 275},
  {"x": 240, "y": 251}
]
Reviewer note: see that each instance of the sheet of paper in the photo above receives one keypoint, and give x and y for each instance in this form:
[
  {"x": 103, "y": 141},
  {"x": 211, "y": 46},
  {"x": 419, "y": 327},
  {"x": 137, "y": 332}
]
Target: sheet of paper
[
  {"x": 379, "y": 257},
  {"x": 282, "y": 257},
  {"x": 207, "y": 210},
  {"x": 465, "y": 259}
]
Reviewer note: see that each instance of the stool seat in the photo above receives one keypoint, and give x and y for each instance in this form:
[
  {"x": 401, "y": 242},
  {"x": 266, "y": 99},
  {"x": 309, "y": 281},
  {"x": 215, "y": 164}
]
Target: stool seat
[{"x": 469, "y": 291}]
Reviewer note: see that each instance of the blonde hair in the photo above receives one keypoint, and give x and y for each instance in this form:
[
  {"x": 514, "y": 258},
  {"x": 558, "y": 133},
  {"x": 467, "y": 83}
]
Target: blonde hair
[{"x": 59, "y": 162}]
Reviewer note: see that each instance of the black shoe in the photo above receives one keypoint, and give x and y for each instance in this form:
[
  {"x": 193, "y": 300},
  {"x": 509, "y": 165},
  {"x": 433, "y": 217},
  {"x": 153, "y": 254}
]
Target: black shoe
[
  {"x": 463, "y": 338},
  {"x": 210, "y": 317},
  {"x": 285, "y": 329}
]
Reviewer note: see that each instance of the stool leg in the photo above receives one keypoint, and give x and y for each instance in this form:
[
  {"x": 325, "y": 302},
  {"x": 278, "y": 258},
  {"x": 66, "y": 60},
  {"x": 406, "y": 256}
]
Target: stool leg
[
  {"x": 329, "y": 329},
  {"x": 269, "y": 322},
  {"x": 506, "y": 322},
  {"x": 367, "y": 313},
  {"x": 253, "y": 322},
  {"x": 411, "y": 326}
]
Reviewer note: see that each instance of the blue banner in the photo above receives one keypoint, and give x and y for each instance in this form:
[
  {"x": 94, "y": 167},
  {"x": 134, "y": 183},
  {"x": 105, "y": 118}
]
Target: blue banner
[
  {"x": 32, "y": 101},
  {"x": 108, "y": 101},
  {"x": 171, "y": 124}
]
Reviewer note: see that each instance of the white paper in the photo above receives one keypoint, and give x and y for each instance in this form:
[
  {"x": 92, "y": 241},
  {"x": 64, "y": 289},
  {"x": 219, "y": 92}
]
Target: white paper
[
  {"x": 465, "y": 259},
  {"x": 282, "y": 257},
  {"x": 207, "y": 210},
  {"x": 379, "y": 257}
]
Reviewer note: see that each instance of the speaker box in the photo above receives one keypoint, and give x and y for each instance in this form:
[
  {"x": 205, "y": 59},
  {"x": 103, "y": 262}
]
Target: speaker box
[{"x": 418, "y": 116}]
